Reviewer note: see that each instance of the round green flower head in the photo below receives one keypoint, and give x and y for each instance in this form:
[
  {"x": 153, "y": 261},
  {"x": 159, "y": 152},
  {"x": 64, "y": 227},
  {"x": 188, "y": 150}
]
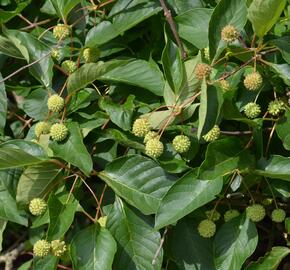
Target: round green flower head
[
  {"x": 213, "y": 134},
  {"x": 276, "y": 107},
  {"x": 225, "y": 85},
  {"x": 253, "y": 81},
  {"x": 103, "y": 221},
  {"x": 206, "y": 228},
  {"x": 278, "y": 215},
  {"x": 141, "y": 127},
  {"x": 154, "y": 148},
  {"x": 230, "y": 214},
  {"x": 91, "y": 55},
  {"x": 58, "y": 248},
  {"x": 229, "y": 34},
  {"x": 213, "y": 215},
  {"x": 56, "y": 55},
  {"x": 41, "y": 128},
  {"x": 69, "y": 66},
  {"x": 41, "y": 248},
  {"x": 252, "y": 110},
  {"x": 256, "y": 212},
  {"x": 150, "y": 135},
  {"x": 181, "y": 143},
  {"x": 202, "y": 71},
  {"x": 267, "y": 201},
  {"x": 37, "y": 206},
  {"x": 206, "y": 53},
  {"x": 55, "y": 103},
  {"x": 58, "y": 132},
  {"x": 61, "y": 31}
]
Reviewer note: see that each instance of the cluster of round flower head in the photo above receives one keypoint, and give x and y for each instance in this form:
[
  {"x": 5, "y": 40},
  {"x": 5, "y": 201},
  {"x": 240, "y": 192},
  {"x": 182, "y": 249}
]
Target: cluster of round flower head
[
  {"x": 56, "y": 54},
  {"x": 91, "y": 55},
  {"x": 37, "y": 206},
  {"x": 213, "y": 134},
  {"x": 181, "y": 143},
  {"x": 276, "y": 107},
  {"x": 225, "y": 85},
  {"x": 202, "y": 70},
  {"x": 253, "y": 81},
  {"x": 256, "y": 212},
  {"x": 61, "y": 31},
  {"x": 206, "y": 228},
  {"x": 41, "y": 248},
  {"x": 69, "y": 66},
  {"x": 231, "y": 214},
  {"x": 278, "y": 215},
  {"x": 252, "y": 110},
  {"x": 229, "y": 34},
  {"x": 58, "y": 131}
]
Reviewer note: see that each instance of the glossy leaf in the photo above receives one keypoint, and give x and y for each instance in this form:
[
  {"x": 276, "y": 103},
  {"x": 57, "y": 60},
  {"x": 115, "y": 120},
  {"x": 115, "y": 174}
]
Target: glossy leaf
[
  {"x": 136, "y": 238},
  {"x": 283, "y": 70},
  {"x": 5, "y": 16},
  {"x": 234, "y": 242},
  {"x": 186, "y": 195},
  {"x": 264, "y": 14},
  {"x": 139, "y": 180},
  {"x": 64, "y": 7},
  {"x": 93, "y": 248},
  {"x": 3, "y": 106},
  {"x": 73, "y": 150}
]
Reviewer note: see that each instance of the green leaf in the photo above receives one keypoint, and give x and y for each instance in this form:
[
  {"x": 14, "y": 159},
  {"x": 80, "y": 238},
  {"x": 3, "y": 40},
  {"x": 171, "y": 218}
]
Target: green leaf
[
  {"x": 36, "y": 50},
  {"x": 73, "y": 149},
  {"x": 8, "y": 208},
  {"x": 271, "y": 260},
  {"x": 186, "y": 195},
  {"x": 63, "y": 8},
  {"x": 8, "y": 48},
  {"x": 139, "y": 180},
  {"x": 193, "y": 26},
  {"x": 137, "y": 240},
  {"x": 133, "y": 72},
  {"x": 283, "y": 130},
  {"x": 3, "y": 106},
  {"x": 173, "y": 66},
  {"x": 211, "y": 101},
  {"x": 264, "y": 14},
  {"x": 15, "y": 158},
  {"x": 283, "y": 70},
  {"x": 93, "y": 248},
  {"x": 233, "y": 13},
  {"x": 5, "y": 16},
  {"x": 36, "y": 181},
  {"x": 48, "y": 262},
  {"x": 275, "y": 167},
  {"x": 61, "y": 216},
  {"x": 234, "y": 242},
  {"x": 223, "y": 157},
  {"x": 190, "y": 250},
  {"x": 131, "y": 14}
]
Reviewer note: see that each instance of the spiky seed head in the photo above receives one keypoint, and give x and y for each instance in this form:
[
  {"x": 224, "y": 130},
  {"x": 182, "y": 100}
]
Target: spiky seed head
[
  {"x": 69, "y": 66},
  {"x": 253, "y": 81},
  {"x": 225, "y": 85},
  {"x": 276, "y": 107},
  {"x": 41, "y": 248},
  {"x": 230, "y": 214},
  {"x": 256, "y": 212},
  {"x": 252, "y": 110},
  {"x": 150, "y": 135},
  {"x": 202, "y": 70},
  {"x": 58, "y": 248},
  {"x": 229, "y": 34},
  {"x": 37, "y": 206},
  {"x": 56, "y": 55},
  {"x": 278, "y": 215},
  {"x": 58, "y": 132},
  {"x": 206, "y": 53},
  {"x": 103, "y": 221},
  {"x": 154, "y": 148},
  {"x": 213, "y": 134},
  {"x": 206, "y": 228},
  {"x": 61, "y": 31},
  {"x": 181, "y": 143},
  {"x": 55, "y": 103},
  {"x": 213, "y": 215},
  {"x": 141, "y": 127},
  {"x": 91, "y": 55},
  {"x": 41, "y": 128}
]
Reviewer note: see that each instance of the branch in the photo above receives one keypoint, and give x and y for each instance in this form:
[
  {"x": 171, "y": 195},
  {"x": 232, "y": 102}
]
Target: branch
[
  {"x": 167, "y": 14},
  {"x": 11, "y": 256}
]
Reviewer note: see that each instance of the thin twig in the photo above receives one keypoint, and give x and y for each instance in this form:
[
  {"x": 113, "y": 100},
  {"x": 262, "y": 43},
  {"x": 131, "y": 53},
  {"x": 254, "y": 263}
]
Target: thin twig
[
  {"x": 167, "y": 14},
  {"x": 160, "y": 246}
]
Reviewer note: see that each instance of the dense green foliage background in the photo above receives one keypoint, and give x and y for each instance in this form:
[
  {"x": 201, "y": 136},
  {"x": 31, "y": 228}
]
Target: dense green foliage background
[{"x": 100, "y": 172}]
